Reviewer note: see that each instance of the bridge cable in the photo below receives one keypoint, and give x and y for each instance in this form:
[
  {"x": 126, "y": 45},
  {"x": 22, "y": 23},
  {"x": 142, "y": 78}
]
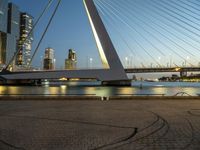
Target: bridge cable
[
  {"x": 179, "y": 20},
  {"x": 193, "y": 3},
  {"x": 29, "y": 34},
  {"x": 166, "y": 12},
  {"x": 178, "y": 4},
  {"x": 163, "y": 3},
  {"x": 159, "y": 33},
  {"x": 111, "y": 16},
  {"x": 169, "y": 25},
  {"x": 118, "y": 32},
  {"x": 183, "y": 2},
  {"x": 124, "y": 22},
  {"x": 45, "y": 31},
  {"x": 171, "y": 40},
  {"x": 116, "y": 12},
  {"x": 108, "y": 21},
  {"x": 171, "y": 4},
  {"x": 156, "y": 31},
  {"x": 168, "y": 31}
]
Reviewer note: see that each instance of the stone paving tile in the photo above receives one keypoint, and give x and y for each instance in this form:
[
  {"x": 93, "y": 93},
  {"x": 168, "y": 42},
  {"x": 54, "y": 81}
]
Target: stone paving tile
[{"x": 87, "y": 125}]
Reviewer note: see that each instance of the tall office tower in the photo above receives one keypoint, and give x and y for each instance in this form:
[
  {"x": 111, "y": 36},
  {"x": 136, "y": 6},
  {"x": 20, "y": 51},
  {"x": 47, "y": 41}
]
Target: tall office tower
[
  {"x": 12, "y": 31},
  {"x": 3, "y": 15},
  {"x": 71, "y": 61},
  {"x": 26, "y": 39},
  {"x": 49, "y": 61},
  {"x": 3, "y": 30}
]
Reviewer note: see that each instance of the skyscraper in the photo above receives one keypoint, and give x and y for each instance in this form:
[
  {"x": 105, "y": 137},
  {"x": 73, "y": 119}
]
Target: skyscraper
[
  {"x": 3, "y": 30},
  {"x": 26, "y": 39},
  {"x": 12, "y": 31},
  {"x": 49, "y": 63},
  {"x": 71, "y": 61},
  {"x": 3, "y": 15}
]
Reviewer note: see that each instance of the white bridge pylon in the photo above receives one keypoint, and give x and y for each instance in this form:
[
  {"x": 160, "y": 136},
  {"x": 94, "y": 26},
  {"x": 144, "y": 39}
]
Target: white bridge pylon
[{"x": 112, "y": 66}]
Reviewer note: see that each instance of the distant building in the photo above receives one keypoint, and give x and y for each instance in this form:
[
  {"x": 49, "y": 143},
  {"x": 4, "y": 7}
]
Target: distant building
[
  {"x": 26, "y": 39},
  {"x": 71, "y": 61},
  {"x": 14, "y": 28},
  {"x": 49, "y": 60}
]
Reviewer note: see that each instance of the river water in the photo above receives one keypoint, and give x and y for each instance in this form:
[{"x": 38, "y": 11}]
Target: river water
[{"x": 94, "y": 88}]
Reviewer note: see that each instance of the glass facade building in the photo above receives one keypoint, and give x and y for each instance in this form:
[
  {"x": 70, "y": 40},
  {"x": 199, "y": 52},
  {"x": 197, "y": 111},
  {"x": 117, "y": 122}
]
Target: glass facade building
[
  {"x": 12, "y": 31},
  {"x": 26, "y": 39},
  {"x": 13, "y": 20},
  {"x": 3, "y": 15},
  {"x": 3, "y": 30}
]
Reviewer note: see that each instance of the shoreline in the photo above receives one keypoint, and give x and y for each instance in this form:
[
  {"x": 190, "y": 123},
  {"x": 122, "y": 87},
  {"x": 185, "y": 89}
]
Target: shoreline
[{"x": 98, "y": 98}]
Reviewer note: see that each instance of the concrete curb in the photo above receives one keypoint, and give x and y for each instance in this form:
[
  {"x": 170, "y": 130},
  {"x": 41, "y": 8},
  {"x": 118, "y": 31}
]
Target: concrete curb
[
  {"x": 57, "y": 98},
  {"x": 154, "y": 98}
]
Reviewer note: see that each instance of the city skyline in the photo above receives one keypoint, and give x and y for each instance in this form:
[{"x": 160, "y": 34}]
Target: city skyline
[
  {"x": 70, "y": 29},
  {"x": 67, "y": 33}
]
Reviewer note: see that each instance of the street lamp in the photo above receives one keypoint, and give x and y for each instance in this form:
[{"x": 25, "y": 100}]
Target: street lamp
[
  {"x": 186, "y": 60},
  {"x": 54, "y": 63},
  {"x": 159, "y": 58},
  {"x": 170, "y": 60},
  {"x": 91, "y": 59},
  {"x": 41, "y": 59},
  {"x": 126, "y": 62}
]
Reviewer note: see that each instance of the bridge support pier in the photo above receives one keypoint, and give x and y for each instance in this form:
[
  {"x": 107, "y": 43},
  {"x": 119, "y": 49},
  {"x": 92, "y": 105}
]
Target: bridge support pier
[{"x": 117, "y": 83}]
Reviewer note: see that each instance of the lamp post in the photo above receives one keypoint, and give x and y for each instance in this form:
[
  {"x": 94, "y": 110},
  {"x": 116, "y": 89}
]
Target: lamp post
[
  {"x": 159, "y": 58},
  {"x": 41, "y": 59},
  {"x": 186, "y": 60},
  {"x": 54, "y": 63},
  {"x": 126, "y": 62},
  {"x": 91, "y": 59},
  {"x": 170, "y": 60}
]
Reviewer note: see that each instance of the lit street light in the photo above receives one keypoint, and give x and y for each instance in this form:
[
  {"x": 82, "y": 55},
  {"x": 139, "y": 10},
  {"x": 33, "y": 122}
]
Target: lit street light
[
  {"x": 54, "y": 63},
  {"x": 126, "y": 62},
  {"x": 159, "y": 58},
  {"x": 41, "y": 59},
  {"x": 91, "y": 59},
  {"x": 186, "y": 60}
]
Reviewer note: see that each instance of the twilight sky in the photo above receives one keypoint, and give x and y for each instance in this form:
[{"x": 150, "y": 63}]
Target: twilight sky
[{"x": 144, "y": 32}]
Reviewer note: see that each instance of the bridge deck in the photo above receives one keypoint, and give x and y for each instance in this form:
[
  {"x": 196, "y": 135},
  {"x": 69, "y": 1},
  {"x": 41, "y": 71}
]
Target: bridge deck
[{"x": 170, "y": 69}]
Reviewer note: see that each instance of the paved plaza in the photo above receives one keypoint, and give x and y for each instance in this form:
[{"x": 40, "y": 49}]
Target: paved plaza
[{"x": 100, "y": 125}]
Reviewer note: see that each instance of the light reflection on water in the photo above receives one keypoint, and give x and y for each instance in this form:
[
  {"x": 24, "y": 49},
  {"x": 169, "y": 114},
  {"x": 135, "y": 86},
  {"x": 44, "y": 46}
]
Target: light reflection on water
[{"x": 94, "y": 88}]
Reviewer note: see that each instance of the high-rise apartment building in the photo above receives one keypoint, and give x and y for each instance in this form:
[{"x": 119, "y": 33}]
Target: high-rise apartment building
[
  {"x": 26, "y": 39},
  {"x": 49, "y": 60},
  {"x": 71, "y": 61}
]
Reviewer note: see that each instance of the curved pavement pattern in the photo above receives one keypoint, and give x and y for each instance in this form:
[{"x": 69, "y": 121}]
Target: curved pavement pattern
[{"x": 100, "y": 125}]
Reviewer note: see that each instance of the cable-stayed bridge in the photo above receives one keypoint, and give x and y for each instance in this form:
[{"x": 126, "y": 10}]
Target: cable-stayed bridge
[{"x": 151, "y": 33}]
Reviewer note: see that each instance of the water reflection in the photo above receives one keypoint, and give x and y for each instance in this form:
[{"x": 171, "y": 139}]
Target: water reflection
[
  {"x": 63, "y": 89},
  {"x": 76, "y": 88}
]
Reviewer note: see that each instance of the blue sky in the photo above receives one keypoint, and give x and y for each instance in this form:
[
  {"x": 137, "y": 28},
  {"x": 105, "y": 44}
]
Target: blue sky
[
  {"x": 147, "y": 32},
  {"x": 69, "y": 29}
]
